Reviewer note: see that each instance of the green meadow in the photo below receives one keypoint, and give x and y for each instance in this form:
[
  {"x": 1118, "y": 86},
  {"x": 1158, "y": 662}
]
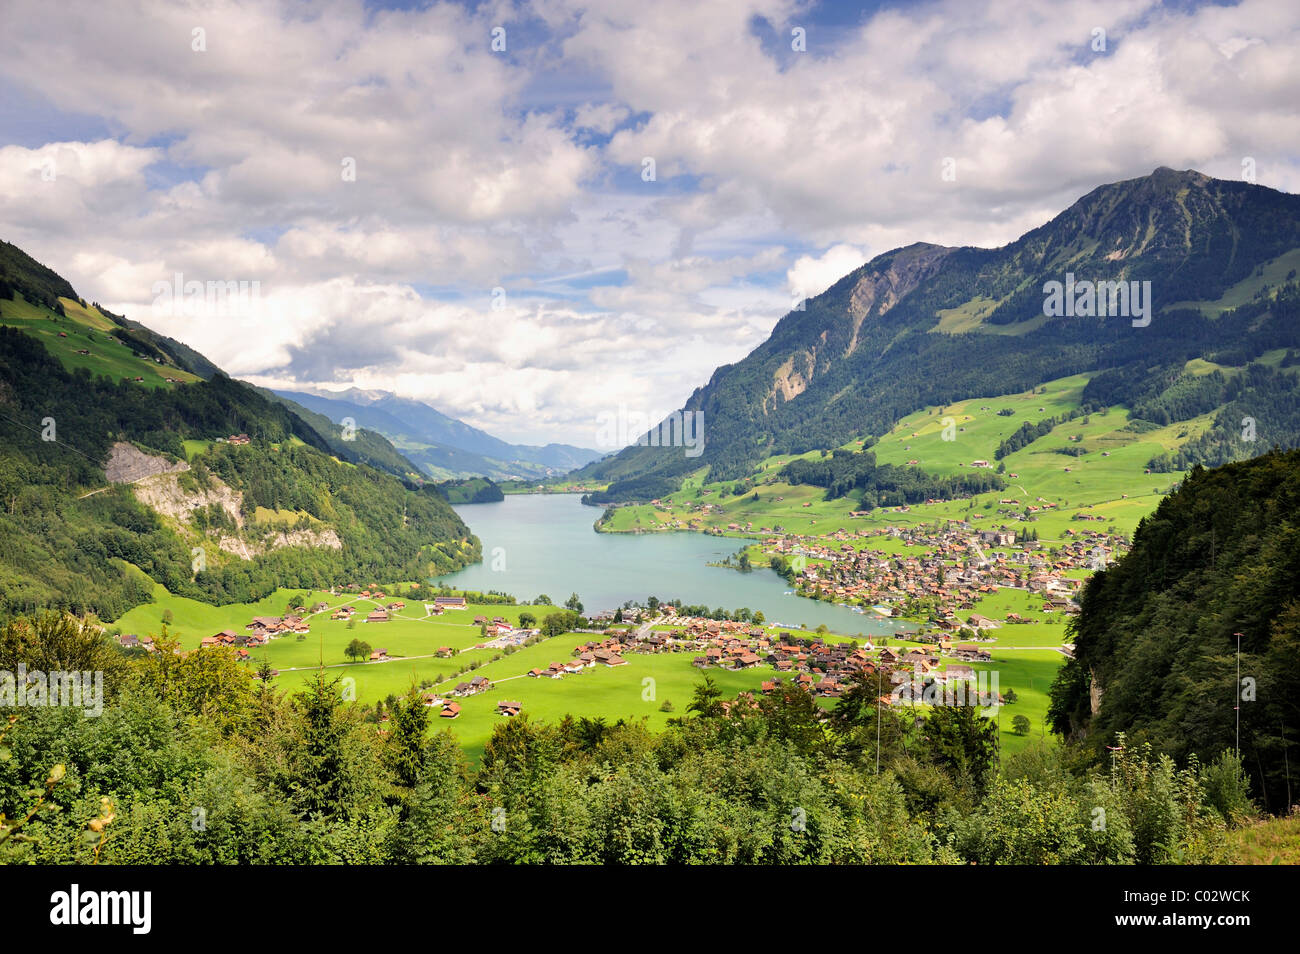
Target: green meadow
[
  {"x": 635, "y": 691},
  {"x": 86, "y": 329}
]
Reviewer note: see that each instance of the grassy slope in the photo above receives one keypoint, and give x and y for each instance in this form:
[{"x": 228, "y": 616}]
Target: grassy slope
[{"x": 87, "y": 329}]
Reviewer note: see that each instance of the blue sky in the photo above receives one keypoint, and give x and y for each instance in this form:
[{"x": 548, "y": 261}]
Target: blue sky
[{"x": 502, "y": 251}]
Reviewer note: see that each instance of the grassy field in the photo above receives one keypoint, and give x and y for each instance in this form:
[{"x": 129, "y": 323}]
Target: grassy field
[
  {"x": 636, "y": 691},
  {"x": 1108, "y": 478},
  {"x": 87, "y": 329},
  {"x": 1272, "y": 842}
]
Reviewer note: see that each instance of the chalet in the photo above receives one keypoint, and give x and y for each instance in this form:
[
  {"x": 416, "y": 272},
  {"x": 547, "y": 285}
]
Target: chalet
[
  {"x": 379, "y": 655},
  {"x": 378, "y": 616},
  {"x": 450, "y": 711},
  {"x": 449, "y": 602},
  {"x": 446, "y": 652},
  {"x": 509, "y": 708}
]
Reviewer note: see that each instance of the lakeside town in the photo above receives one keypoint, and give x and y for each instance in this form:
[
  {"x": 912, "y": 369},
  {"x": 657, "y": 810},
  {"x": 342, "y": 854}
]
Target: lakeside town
[{"x": 939, "y": 572}]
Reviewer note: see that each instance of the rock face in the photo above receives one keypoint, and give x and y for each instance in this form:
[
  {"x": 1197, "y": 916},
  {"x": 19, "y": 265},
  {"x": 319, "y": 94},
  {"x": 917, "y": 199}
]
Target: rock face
[
  {"x": 127, "y": 464},
  {"x": 163, "y": 492}
]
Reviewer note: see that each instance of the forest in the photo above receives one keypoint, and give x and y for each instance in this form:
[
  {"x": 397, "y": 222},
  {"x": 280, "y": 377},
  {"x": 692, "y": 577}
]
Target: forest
[
  {"x": 1210, "y": 588},
  {"x": 885, "y": 485}
]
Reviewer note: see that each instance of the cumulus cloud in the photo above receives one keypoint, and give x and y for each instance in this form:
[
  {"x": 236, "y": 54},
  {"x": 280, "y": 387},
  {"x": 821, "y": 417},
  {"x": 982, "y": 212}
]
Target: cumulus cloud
[{"x": 379, "y": 172}]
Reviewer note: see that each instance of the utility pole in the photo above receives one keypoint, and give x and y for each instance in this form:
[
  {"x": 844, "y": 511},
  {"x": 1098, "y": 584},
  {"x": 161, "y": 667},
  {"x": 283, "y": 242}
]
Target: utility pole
[
  {"x": 878, "y": 677},
  {"x": 1237, "y": 696}
]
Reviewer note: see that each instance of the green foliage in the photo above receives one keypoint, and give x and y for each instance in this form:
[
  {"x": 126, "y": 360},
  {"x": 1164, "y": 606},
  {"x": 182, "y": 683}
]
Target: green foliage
[
  {"x": 1156, "y": 634},
  {"x": 885, "y": 485}
]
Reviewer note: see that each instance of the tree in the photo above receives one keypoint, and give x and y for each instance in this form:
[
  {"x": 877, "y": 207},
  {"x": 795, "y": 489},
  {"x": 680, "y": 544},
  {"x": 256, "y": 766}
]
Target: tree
[
  {"x": 961, "y": 740},
  {"x": 1020, "y": 725},
  {"x": 543, "y": 600},
  {"x": 707, "y": 699},
  {"x": 527, "y": 620},
  {"x": 558, "y": 623},
  {"x": 408, "y": 738},
  {"x": 357, "y": 649},
  {"x": 319, "y": 773},
  {"x": 574, "y": 603}
]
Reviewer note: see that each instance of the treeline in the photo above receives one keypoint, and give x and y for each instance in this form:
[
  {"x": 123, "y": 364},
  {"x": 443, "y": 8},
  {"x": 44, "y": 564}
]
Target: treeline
[
  {"x": 21, "y": 273},
  {"x": 884, "y": 485},
  {"x": 1157, "y": 636},
  {"x": 635, "y": 490},
  {"x": 470, "y": 490},
  {"x": 309, "y": 779},
  {"x": 1261, "y": 410},
  {"x": 1029, "y": 432}
]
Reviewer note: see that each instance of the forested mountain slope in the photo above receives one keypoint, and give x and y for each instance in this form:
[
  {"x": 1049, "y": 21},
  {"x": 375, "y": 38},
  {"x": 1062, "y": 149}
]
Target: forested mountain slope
[
  {"x": 1155, "y": 643},
  {"x": 926, "y": 325}
]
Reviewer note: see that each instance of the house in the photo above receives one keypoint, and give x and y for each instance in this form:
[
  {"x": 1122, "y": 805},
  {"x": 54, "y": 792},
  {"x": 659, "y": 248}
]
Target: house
[
  {"x": 446, "y": 652},
  {"x": 449, "y": 602},
  {"x": 450, "y": 711},
  {"x": 379, "y": 655},
  {"x": 378, "y": 616},
  {"x": 509, "y": 708}
]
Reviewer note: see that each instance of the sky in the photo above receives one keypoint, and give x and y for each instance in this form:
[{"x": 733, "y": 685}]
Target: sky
[{"x": 537, "y": 215}]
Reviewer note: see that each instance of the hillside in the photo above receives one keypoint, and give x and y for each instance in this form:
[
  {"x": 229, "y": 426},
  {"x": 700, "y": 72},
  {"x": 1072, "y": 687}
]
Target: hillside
[
  {"x": 928, "y": 325},
  {"x": 1156, "y": 641},
  {"x": 116, "y": 473},
  {"x": 444, "y": 446}
]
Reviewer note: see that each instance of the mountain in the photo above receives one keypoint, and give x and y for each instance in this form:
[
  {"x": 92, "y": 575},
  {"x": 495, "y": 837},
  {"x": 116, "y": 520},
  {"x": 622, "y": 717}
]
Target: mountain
[
  {"x": 359, "y": 445},
  {"x": 444, "y": 445},
  {"x": 127, "y": 460},
  {"x": 1214, "y": 571},
  {"x": 926, "y": 324}
]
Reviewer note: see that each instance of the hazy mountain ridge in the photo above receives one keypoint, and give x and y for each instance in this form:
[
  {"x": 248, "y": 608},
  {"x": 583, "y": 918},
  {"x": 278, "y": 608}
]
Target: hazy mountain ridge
[{"x": 429, "y": 437}]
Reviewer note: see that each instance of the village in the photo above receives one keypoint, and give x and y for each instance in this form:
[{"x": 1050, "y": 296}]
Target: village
[
  {"x": 959, "y": 566},
  {"x": 956, "y": 567}
]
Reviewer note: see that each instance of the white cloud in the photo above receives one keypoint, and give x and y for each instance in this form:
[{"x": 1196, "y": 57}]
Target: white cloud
[{"x": 475, "y": 169}]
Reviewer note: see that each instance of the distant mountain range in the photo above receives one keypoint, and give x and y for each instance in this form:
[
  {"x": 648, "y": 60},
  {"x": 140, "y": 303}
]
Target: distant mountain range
[
  {"x": 927, "y": 325},
  {"x": 442, "y": 446}
]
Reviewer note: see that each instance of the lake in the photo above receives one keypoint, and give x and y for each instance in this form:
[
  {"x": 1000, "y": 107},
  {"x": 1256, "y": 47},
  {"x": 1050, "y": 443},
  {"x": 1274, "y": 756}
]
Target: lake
[{"x": 544, "y": 543}]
